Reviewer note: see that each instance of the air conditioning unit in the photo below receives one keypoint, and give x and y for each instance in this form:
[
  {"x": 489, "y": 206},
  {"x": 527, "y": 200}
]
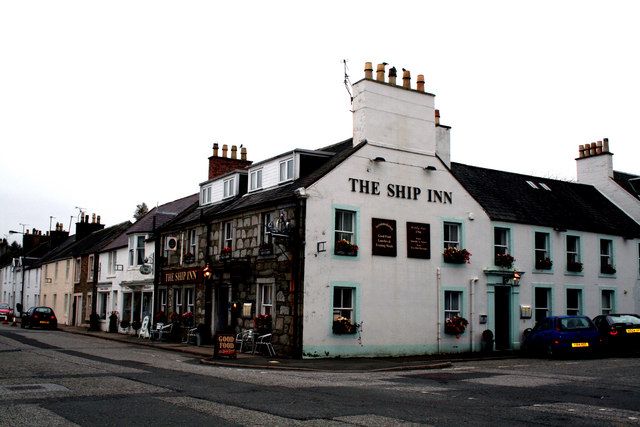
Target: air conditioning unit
[{"x": 171, "y": 244}]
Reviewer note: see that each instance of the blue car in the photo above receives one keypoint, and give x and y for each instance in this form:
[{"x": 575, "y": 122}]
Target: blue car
[{"x": 562, "y": 334}]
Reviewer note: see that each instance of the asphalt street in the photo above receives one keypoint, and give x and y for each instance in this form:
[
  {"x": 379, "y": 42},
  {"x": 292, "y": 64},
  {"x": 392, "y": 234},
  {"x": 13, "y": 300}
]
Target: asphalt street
[{"x": 52, "y": 378}]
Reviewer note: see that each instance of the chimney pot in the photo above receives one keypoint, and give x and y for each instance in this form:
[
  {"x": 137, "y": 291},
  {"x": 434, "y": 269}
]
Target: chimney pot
[
  {"x": 406, "y": 79},
  {"x": 215, "y": 149},
  {"x": 592, "y": 149},
  {"x": 243, "y": 153},
  {"x": 420, "y": 83},
  {"x": 98, "y": 219},
  {"x": 234, "y": 152},
  {"x": 599, "y": 147},
  {"x": 581, "y": 151},
  {"x": 380, "y": 72},
  {"x": 225, "y": 149},
  {"x": 605, "y": 145},
  {"x": 392, "y": 75},
  {"x": 437, "y": 117},
  {"x": 368, "y": 70},
  {"x": 93, "y": 219}
]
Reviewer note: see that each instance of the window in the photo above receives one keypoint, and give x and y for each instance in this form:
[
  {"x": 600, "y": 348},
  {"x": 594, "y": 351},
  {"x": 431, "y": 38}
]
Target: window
[
  {"x": 451, "y": 235},
  {"x": 266, "y": 299},
  {"x": 67, "y": 269},
  {"x": 55, "y": 272},
  {"x": 500, "y": 241},
  {"x": 542, "y": 253},
  {"x": 112, "y": 260},
  {"x": 188, "y": 293},
  {"x": 136, "y": 250},
  {"x": 573, "y": 250},
  {"x": 607, "y": 301},
  {"x": 205, "y": 195},
  {"x": 606, "y": 256},
  {"x": 126, "y": 306},
  {"x": 76, "y": 272},
  {"x": 229, "y": 187},
  {"x": 162, "y": 299},
  {"x": 55, "y": 300},
  {"x": 452, "y": 304},
  {"x": 286, "y": 170},
  {"x": 574, "y": 301},
  {"x": 91, "y": 267},
  {"x": 343, "y": 299},
  {"x": 345, "y": 226},
  {"x": 542, "y": 303},
  {"x": 267, "y": 221},
  {"x": 255, "y": 179},
  {"x": 103, "y": 304},
  {"x": 177, "y": 300},
  {"x": 227, "y": 234},
  {"x": 192, "y": 241}
]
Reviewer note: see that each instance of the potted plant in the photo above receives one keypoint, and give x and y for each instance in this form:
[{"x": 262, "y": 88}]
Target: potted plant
[
  {"x": 161, "y": 317},
  {"x": 455, "y": 326},
  {"x": 263, "y": 322},
  {"x": 504, "y": 260},
  {"x": 574, "y": 266},
  {"x": 124, "y": 323},
  {"x": 175, "y": 318},
  {"x": 225, "y": 253},
  {"x": 113, "y": 322},
  {"x": 454, "y": 255},
  {"x": 343, "y": 326},
  {"x": 345, "y": 247},
  {"x": 607, "y": 269},
  {"x": 265, "y": 249},
  {"x": 544, "y": 264},
  {"x": 187, "y": 319},
  {"x": 135, "y": 325}
]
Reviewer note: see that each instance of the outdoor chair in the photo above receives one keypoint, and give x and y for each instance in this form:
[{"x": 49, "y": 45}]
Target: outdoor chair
[
  {"x": 264, "y": 341},
  {"x": 192, "y": 333},
  {"x": 245, "y": 338},
  {"x": 161, "y": 329}
]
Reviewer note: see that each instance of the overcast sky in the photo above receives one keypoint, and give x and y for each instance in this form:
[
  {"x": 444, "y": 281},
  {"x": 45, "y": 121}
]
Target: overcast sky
[{"x": 104, "y": 105}]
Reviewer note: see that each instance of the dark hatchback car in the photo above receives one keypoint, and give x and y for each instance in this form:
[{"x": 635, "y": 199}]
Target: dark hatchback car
[
  {"x": 562, "y": 334},
  {"x": 42, "y": 317},
  {"x": 619, "y": 332}
]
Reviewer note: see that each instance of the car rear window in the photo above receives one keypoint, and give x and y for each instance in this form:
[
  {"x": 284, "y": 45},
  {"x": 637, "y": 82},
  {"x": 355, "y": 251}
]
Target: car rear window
[
  {"x": 573, "y": 323},
  {"x": 626, "y": 319},
  {"x": 43, "y": 310}
]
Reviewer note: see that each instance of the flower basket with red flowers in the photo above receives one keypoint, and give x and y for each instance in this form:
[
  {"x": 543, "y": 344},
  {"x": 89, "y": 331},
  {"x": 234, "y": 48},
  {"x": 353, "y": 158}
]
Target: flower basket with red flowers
[
  {"x": 174, "y": 317},
  {"x": 161, "y": 317},
  {"x": 225, "y": 253},
  {"x": 504, "y": 260},
  {"x": 263, "y": 322},
  {"x": 343, "y": 326},
  {"x": 189, "y": 258},
  {"x": 455, "y": 326},
  {"x": 544, "y": 264},
  {"x": 345, "y": 247},
  {"x": 574, "y": 266},
  {"x": 187, "y": 318},
  {"x": 607, "y": 269},
  {"x": 456, "y": 256}
]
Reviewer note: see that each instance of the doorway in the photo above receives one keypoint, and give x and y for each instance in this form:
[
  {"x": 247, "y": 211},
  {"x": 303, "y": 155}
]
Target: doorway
[
  {"x": 222, "y": 309},
  {"x": 502, "y": 317}
]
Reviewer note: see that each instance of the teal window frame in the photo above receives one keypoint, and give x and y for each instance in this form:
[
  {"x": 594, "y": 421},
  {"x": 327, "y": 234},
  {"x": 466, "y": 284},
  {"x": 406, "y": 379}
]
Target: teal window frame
[
  {"x": 578, "y": 254},
  {"x": 549, "y": 289},
  {"x": 580, "y": 303},
  {"x": 612, "y": 255},
  {"x": 356, "y": 231},
  {"x": 463, "y": 301},
  {"x": 509, "y": 240},
  {"x": 612, "y": 309},
  {"x": 548, "y": 250},
  {"x": 355, "y": 298}
]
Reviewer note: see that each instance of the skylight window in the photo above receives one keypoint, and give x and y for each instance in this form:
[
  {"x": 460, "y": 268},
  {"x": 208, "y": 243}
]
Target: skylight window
[
  {"x": 532, "y": 185},
  {"x": 545, "y": 186}
]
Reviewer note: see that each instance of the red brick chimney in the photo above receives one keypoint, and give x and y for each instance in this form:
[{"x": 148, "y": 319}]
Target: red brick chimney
[{"x": 221, "y": 165}]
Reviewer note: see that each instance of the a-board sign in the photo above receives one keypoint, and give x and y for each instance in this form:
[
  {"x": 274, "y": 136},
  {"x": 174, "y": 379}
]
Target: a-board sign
[{"x": 225, "y": 346}]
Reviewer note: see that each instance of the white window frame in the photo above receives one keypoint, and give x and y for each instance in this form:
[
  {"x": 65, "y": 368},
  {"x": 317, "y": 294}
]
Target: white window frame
[
  {"x": 77, "y": 270},
  {"x": 193, "y": 242},
  {"x": 229, "y": 187},
  {"x": 67, "y": 269},
  {"x": 452, "y": 304},
  {"x": 255, "y": 179},
  {"x": 267, "y": 218},
  {"x": 285, "y": 168},
  {"x": 451, "y": 235},
  {"x": 189, "y": 294},
  {"x": 112, "y": 260},
  {"x": 266, "y": 298},
  {"x": 162, "y": 299},
  {"x": 136, "y": 250},
  {"x": 103, "y": 304},
  {"x": 227, "y": 234},
  {"x": 91, "y": 267},
  {"x": 205, "y": 195},
  {"x": 177, "y": 300}
]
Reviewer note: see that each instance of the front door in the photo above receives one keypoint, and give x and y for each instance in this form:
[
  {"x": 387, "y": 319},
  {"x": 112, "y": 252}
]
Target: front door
[
  {"x": 222, "y": 309},
  {"x": 502, "y": 316}
]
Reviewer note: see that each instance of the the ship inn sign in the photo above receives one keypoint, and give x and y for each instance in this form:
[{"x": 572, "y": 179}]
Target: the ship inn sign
[{"x": 400, "y": 191}]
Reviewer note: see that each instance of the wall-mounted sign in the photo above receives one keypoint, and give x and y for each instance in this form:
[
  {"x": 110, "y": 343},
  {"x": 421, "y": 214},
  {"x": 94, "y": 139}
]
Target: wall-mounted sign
[
  {"x": 145, "y": 269},
  {"x": 399, "y": 191},
  {"x": 178, "y": 277},
  {"x": 383, "y": 239},
  {"x": 418, "y": 240}
]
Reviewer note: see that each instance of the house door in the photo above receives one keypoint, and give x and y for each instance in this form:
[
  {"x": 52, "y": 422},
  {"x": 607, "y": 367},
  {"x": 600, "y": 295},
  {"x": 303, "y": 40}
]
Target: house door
[
  {"x": 77, "y": 310},
  {"x": 502, "y": 316},
  {"x": 222, "y": 309}
]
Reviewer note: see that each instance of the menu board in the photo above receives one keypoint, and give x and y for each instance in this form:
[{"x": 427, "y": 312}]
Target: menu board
[
  {"x": 383, "y": 240},
  {"x": 418, "y": 240}
]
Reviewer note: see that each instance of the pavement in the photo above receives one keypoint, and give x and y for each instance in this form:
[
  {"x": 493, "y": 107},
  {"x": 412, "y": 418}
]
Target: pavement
[{"x": 257, "y": 361}]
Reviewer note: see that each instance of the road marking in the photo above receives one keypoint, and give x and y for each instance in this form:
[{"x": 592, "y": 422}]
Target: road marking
[{"x": 514, "y": 381}]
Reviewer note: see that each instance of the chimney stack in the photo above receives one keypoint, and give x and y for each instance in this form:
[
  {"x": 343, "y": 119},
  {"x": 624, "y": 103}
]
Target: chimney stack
[{"x": 221, "y": 165}]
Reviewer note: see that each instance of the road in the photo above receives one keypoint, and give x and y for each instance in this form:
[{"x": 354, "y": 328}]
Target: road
[{"x": 52, "y": 378}]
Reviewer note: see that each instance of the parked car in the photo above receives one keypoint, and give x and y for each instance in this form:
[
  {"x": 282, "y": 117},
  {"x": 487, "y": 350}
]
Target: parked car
[
  {"x": 42, "y": 317},
  {"x": 619, "y": 332},
  {"x": 562, "y": 334},
  {"x": 6, "y": 312}
]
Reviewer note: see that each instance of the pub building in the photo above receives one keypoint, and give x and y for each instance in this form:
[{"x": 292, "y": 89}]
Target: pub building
[{"x": 373, "y": 246}]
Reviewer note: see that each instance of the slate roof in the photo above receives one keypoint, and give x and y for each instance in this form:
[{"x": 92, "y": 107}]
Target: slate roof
[
  {"x": 270, "y": 196},
  {"x": 94, "y": 242},
  {"x": 507, "y": 197},
  {"x": 155, "y": 219},
  {"x": 631, "y": 183}
]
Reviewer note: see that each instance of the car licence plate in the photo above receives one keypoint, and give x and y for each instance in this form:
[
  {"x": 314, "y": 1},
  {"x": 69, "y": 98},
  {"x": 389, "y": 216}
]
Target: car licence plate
[
  {"x": 633, "y": 331},
  {"x": 44, "y": 321},
  {"x": 579, "y": 344}
]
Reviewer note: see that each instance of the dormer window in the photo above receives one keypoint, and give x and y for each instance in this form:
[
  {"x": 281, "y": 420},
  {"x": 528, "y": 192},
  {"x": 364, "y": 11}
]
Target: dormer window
[
  {"x": 229, "y": 188},
  {"x": 255, "y": 179},
  {"x": 286, "y": 170},
  {"x": 136, "y": 250},
  {"x": 205, "y": 195}
]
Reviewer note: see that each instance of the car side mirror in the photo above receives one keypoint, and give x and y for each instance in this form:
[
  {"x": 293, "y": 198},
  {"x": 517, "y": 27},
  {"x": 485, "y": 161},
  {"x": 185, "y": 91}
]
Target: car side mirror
[{"x": 527, "y": 332}]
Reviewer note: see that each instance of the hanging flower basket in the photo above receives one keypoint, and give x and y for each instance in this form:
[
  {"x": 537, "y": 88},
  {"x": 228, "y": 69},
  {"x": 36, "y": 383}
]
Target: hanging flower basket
[
  {"x": 504, "y": 260},
  {"x": 574, "y": 266},
  {"x": 175, "y": 318},
  {"x": 343, "y": 326},
  {"x": 225, "y": 253},
  {"x": 544, "y": 264},
  {"x": 607, "y": 269},
  {"x": 263, "y": 322},
  {"x": 455, "y": 326},
  {"x": 456, "y": 256},
  {"x": 187, "y": 318},
  {"x": 345, "y": 247},
  {"x": 161, "y": 317}
]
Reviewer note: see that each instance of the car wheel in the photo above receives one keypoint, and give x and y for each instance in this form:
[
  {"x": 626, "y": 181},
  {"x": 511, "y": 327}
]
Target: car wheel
[
  {"x": 29, "y": 325},
  {"x": 22, "y": 324}
]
